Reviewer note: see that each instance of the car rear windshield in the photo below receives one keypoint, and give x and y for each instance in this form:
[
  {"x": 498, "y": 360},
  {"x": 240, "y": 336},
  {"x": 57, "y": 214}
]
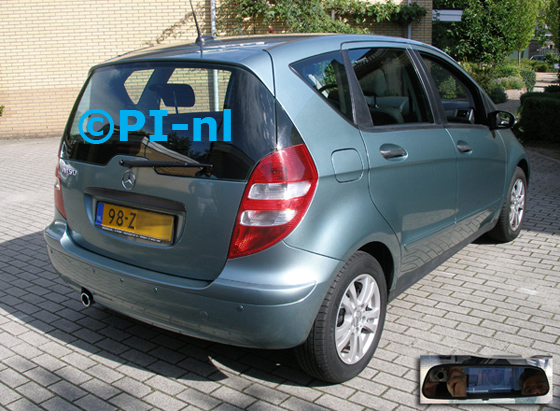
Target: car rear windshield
[{"x": 208, "y": 114}]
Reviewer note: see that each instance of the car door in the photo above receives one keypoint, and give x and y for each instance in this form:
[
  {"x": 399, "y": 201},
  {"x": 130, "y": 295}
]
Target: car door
[
  {"x": 412, "y": 159},
  {"x": 481, "y": 159}
]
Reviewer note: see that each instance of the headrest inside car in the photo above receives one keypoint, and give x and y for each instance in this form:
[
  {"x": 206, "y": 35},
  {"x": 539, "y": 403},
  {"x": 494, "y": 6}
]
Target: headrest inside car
[
  {"x": 176, "y": 95},
  {"x": 374, "y": 84}
]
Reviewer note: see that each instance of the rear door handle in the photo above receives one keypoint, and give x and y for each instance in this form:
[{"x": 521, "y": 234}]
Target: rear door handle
[
  {"x": 390, "y": 151},
  {"x": 463, "y": 147}
]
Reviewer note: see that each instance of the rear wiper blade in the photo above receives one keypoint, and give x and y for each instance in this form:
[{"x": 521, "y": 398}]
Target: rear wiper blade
[{"x": 148, "y": 163}]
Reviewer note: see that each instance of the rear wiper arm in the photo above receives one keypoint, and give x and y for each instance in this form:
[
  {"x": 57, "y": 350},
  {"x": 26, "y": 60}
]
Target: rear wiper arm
[{"x": 144, "y": 163}]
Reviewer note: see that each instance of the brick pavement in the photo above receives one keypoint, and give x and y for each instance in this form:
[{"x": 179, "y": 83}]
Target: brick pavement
[{"x": 57, "y": 355}]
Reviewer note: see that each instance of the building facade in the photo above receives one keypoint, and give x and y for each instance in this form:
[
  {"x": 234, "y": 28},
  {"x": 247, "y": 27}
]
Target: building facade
[{"x": 48, "y": 46}]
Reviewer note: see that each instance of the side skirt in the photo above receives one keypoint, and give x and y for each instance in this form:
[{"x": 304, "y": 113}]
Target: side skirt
[{"x": 414, "y": 276}]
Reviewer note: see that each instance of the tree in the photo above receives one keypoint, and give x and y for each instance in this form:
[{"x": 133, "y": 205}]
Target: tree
[
  {"x": 484, "y": 35},
  {"x": 526, "y": 14},
  {"x": 314, "y": 16},
  {"x": 551, "y": 19}
]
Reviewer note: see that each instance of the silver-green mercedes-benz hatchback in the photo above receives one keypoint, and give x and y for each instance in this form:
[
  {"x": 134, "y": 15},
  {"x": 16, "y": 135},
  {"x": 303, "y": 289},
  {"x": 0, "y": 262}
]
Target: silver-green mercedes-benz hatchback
[{"x": 278, "y": 191}]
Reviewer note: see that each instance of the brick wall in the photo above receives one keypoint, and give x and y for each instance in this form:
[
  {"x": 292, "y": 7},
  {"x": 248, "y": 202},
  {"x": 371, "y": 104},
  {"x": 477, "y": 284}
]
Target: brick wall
[
  {"x": 48, "y": 46},
  {"x": 422, "y": 31}
]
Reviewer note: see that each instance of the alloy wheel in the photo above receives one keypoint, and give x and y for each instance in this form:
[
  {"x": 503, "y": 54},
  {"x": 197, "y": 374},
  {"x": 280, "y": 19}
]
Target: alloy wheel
[
  {"x": 357, "y": 319},
  {"x": 517, "y": 204}
]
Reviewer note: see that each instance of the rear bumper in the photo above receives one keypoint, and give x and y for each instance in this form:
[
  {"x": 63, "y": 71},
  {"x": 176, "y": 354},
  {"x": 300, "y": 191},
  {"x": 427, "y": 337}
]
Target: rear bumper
[{"x": 268, "y": 300}]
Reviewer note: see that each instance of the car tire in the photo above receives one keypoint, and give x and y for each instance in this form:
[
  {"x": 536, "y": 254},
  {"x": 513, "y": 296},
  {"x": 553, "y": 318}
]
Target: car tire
[
  {"x": 512, "y": 214},
  {"x": 348, "y": 327}
]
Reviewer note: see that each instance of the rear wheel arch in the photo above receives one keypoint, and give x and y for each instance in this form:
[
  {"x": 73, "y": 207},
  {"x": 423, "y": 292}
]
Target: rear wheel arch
[
  {"x": 524, "y": 165},
  {"x": 348, "y": 327},
  {"x": 383, "y": 255}
]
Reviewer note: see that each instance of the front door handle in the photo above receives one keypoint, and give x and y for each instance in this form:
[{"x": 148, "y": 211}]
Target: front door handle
[
  {"x": 390, "y": 151},
  {"x": 463, "y": 147}
]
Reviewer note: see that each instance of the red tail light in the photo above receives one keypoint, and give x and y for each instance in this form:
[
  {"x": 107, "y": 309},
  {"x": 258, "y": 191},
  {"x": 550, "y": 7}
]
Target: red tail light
[
  {"x": 58, "y": 202},
  {"x": 275, "y": 200}
]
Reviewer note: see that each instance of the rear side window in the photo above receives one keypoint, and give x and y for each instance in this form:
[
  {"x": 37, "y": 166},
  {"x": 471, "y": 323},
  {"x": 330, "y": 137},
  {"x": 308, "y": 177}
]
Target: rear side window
[
  {"x": 391, "y": 86},
  {"x": 193, "y": 99},
  {"x": 326, "y": 74}
]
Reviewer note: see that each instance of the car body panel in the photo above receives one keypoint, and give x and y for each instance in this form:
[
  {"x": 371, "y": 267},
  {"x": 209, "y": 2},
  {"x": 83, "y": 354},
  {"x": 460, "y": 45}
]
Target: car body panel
[
  {"x": 227, "y": 310},
  {"x": 480, "y": 170},
  {"x": 207, "y": 254},
  {"x": 406, "y": 212},
  {"x": 416, "y": 194}
]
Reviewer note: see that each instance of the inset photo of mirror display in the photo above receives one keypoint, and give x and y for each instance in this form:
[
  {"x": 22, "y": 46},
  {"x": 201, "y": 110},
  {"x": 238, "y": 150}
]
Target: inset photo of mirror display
[{"x": 453, "y": 379}]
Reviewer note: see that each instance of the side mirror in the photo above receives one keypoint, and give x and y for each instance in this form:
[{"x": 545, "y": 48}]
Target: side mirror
[
  {"x": 501, "y": 119},
  {"x": 482, "y": 380}
]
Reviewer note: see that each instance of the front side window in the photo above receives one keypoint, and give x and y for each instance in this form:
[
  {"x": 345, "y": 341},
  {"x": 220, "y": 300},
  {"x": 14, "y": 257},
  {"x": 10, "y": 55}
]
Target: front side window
[
  {"x": 459, "y": 97},
  {"x": 191, "y": 100},
  {"x": 326, "y": 74},
  {"x": 391, "y": 86}
]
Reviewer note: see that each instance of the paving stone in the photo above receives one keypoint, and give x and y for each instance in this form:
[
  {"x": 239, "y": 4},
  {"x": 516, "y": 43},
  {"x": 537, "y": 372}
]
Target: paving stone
[
  {"x": 23, "y": 404},
  {"x": 57, "y": 404},
  {"x": 266, "y": 394},
  {"x": 54, "y": 354},
  {"x": 35, "y": 392},
  {"x": 230, "y": 380},
  {"x": 129, "y": 403},
  {"x": 73, "y": 374},
  {"x": 233, "y": 397},
  {"x": 100, "y": 389},
  {"x": 12, "y": 378},
  {"x": 133, "y": 387},
  {"x": 335, "y": 403},
  {"x": 104, "y": 373},
  {"x": 198, "y": 399},
  {"x": 297, "y": 404},
  {"x": 166, "y": 385},
  {"x": 67, "y": 390},
  {"x": 375, "y": 403},
  {"x": 42, "y": 376},
  {"x": 264, "y": 406},
  {"x": 164, "y": 401},
  {"x": 19, "y": 364},
  {"x": 7, "y": 394},
  {"x": 92, "y": 403},
  {"x": 200, "y": 383}
]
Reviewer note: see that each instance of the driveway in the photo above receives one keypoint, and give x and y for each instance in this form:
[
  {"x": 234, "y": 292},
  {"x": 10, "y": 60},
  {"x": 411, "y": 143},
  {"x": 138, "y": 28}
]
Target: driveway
[{"x": 57, "y": 355}]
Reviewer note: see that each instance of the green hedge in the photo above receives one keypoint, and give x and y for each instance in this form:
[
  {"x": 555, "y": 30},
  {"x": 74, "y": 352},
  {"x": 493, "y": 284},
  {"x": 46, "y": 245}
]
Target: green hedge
[
  {"x": 526, "y": 96},
  {"x": 539, "y": 117},
  {"x": 496, "y": 92},
  {"x": 512, "y": 82},
  {"x": 529, "y": 77},
  {"x": 506, "y": 70},
  {"x": 552, "y": 89},
  {"x": 541, "y": 67}
]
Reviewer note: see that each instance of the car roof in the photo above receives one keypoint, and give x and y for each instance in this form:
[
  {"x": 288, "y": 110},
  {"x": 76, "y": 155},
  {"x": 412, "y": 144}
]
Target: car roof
[
  {"x": 239, "y": 49},
  {"x": 257, "y": 53}
]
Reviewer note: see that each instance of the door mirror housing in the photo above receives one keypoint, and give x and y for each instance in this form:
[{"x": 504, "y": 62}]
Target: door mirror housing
[{"x": 501, "y": 119}]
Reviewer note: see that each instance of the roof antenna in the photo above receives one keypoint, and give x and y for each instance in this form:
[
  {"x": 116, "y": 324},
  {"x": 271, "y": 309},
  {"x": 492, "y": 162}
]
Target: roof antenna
[{"x": 200, "y": 40}]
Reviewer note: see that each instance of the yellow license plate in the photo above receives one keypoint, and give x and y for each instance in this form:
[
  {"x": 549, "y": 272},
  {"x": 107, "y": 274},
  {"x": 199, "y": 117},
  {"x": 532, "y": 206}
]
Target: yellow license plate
[{"x": 143, "y": 224}]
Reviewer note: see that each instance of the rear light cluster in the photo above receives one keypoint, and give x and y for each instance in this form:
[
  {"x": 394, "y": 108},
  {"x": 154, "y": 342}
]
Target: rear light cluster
[
  {"x": 59, "y": 203},
  {"x": 277, "y": 196}
]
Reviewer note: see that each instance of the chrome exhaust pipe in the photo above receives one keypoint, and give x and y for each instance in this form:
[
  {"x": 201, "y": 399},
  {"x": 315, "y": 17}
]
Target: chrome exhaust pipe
[{"x": 86, "y": 297}]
